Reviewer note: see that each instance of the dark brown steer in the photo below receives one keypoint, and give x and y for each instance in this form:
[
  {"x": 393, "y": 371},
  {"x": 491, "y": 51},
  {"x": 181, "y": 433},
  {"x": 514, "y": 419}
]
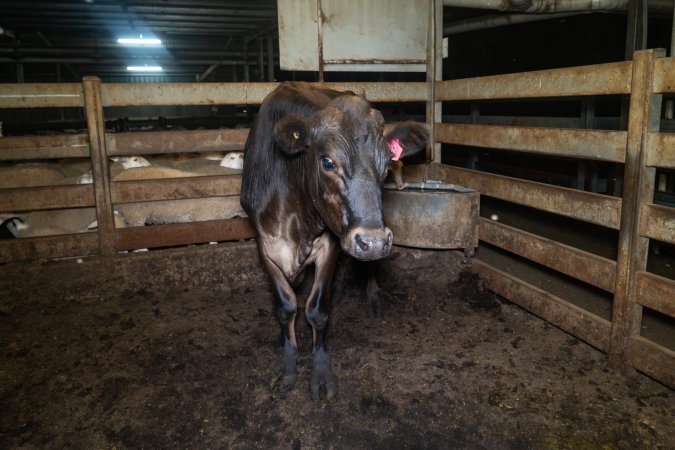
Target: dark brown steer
[{"x": 315, "y": 161}]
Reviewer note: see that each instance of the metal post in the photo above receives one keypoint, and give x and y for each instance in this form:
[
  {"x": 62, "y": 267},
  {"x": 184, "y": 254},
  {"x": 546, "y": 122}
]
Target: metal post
[
  {"x": 319, "y": 23},
  {"x": 93, "y": 105},
  {"x": 643, "y": 117},
  {"x": 261, "y": 60},
  {"x": 270, "y": 58},
  {"x": 434, "y": 73}
]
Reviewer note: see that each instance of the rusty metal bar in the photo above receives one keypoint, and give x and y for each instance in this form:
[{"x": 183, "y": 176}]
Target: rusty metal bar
[
  {"x": 587, "y": 206},
  {"x": 660, "y": 150},
  {"x": 46, "y": 197},
  {"x": 99, "y": 164},
  {"x": 655, "y": 292},
  {"x": 159, "y": 142},
  {"x": 653, "y": 359},
  {"x": 600, "y": 79},
  {"x": 587, "y": 144},
  {"x": 48, "y": 247},
  {"x": 375, "y": 61},
  {"x": 41, "y": 95},
  {"x": 579, "y": 264},
  {"x": 664, "y": 75},
  {"x": 175, "y": 188},
  {"x": 559, "y": 312},
  {"x": 658, "y": 222},
  {"x": 183, "y": 234},
  {"x": 44, "y": 147},
  {"x": 434, "y": 110},
  {"x": 643, "y": 117}
]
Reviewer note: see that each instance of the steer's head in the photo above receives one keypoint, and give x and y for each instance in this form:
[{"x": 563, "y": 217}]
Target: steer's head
[{"x": 347, "y": 155}]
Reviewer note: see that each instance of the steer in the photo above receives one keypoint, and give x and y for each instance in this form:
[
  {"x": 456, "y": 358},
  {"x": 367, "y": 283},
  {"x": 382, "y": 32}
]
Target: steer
[{"x": 315, "y": 160}]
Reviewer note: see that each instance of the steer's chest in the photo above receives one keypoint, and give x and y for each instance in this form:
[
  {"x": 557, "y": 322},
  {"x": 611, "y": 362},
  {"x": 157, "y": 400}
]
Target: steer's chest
[{"x": 292, "y": 256}]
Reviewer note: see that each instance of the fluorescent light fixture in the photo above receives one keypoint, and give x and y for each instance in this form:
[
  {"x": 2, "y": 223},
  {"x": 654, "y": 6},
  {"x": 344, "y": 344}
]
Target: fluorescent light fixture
[
  {"x": 144, "y": 68},
  {"x": 139, "y": 41}
]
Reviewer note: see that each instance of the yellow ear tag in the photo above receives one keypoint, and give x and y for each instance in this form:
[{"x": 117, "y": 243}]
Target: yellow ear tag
[{"x": 296, "y": 135}]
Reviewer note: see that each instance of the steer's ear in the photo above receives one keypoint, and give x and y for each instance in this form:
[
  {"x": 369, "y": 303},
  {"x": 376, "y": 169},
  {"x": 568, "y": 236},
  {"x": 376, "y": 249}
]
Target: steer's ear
[
  {"x": 292, "y": 134},
  {"x": 407, "y": 138}
]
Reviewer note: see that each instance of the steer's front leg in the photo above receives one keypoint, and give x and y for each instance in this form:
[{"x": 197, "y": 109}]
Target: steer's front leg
[
  {"x": 323, "y": 382},
  {"x": 285, "y": 371}
]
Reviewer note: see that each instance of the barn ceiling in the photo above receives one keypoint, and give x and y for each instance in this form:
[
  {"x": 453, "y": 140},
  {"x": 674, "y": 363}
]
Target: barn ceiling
[
  {"x": 202, "y": 40},
  {"x": 80, "y": 36}
]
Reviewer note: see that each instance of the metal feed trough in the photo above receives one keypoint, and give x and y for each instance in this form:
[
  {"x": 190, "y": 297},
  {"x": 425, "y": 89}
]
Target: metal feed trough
[{"x": 432, "y": 215}]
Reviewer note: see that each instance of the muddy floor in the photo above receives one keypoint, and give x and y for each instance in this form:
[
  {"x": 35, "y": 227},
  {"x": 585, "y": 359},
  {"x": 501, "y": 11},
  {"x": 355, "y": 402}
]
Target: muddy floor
[{"x": 174, "y": 349}]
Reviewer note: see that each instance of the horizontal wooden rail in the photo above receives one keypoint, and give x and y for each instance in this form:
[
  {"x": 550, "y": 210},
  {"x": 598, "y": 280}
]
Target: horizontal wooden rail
[
  {"x": 653, "y": 359},
  {"x": 600, "y": 79},
  {"x": 664, "y": 75},
  {"x": 587, "y": 206},
  {"x": 128, "y": 94},
  {"x": 175, "y": 188},
  {"x": 658, "y": 222},
  {"x": 183, "y": 234},
  {"x": 46, "y": 197},
  {"x": 561, "y": 313},
  {"x": 655, "y": 292},
  {"x": 41, "y": 95},
  {"x": 48, "y": 247},
  {"x": 189, "y": 94},
  {"x": 383, "y": 92},
  {"x": 660, "y": 150},
  {"x": 44, "y": 147},
  {"x": 161, "y": 142},
  {"x": 592, "y": 269},
  {"x": 586, "y": 144}
]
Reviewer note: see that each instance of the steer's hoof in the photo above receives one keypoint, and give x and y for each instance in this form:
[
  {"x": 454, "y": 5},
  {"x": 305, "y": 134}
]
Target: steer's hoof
[
  {"x": 323, "y": 382},
  {"x": 285, "y": 372}
]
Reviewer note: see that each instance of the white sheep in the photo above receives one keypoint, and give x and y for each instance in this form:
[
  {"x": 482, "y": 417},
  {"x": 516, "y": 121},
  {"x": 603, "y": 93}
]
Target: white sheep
[
  {"x": 181, "y": 211},
  {"x": 233, "y": 160},
  {"x": 129, "y": 162},
  {"x": 152, "y": 172},
  {"x": 57, "y": 221},
  {"x": 30, "y": 175}
]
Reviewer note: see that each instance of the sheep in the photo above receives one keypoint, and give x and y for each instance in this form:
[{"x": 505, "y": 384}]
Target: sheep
[
  {"x": 181, "y": 211},
  {"x": 30, "y": 175},
  {"x": 57, "y": 221},
  {"x": 233, "y": 160},
  {"x": 152, "y": 172},
  {"x": 121, "y": 164},
  {"x": 9, "y": 226},
  {"x": 129, "y": 162},
  {"x": 211, "y": 156}
]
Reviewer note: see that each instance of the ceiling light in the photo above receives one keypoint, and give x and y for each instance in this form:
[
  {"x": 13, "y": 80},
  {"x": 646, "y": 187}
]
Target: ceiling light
[
  {"x": 144, "y": 68},
  {"x": 139, "y": 41}
]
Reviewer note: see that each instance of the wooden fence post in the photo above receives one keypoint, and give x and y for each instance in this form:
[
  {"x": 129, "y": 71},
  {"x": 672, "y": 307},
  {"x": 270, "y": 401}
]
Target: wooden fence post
[
  {"x": 99, "y": 164},
  {"x": 643, "y": 117}
]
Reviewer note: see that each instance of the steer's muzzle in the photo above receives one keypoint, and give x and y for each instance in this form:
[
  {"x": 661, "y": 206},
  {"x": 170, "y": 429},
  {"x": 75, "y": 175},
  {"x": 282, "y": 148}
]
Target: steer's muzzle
[{"x": 368, "y": 244}]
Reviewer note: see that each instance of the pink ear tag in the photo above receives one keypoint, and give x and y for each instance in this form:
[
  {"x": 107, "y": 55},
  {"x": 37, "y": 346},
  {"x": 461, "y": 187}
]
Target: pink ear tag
[{"x": 395, "y": 149}]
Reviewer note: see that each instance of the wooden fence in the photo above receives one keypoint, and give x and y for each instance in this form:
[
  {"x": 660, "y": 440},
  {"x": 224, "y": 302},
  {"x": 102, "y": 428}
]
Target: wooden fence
[
  {"x": 99, "y": 145},
  {"x": 641, "y": 148}
]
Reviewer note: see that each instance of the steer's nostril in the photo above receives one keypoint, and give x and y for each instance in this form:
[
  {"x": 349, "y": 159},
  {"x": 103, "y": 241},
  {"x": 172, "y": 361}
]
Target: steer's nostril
[{"x": 362, "y": 243}]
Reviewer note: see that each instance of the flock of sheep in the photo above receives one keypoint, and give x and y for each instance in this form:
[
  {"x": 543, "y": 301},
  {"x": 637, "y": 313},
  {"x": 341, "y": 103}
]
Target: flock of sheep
[{"x": 80, "y": 220}]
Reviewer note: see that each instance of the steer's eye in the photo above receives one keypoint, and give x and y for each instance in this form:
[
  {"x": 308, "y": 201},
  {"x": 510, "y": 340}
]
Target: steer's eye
[{"x": 328, "y": 164}]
